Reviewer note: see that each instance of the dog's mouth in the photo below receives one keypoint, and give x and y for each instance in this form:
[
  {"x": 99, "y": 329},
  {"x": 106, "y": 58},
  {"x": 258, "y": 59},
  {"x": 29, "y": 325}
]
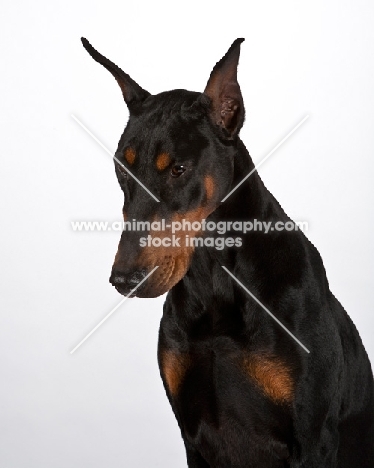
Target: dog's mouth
[
  {"x": 169, "y": 262},
  {"x": 167, "y": 274},
  {"x": 125, "y": 292}
]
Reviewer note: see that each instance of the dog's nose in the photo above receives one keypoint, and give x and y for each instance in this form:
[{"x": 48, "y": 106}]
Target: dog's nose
[{"x": 126, "y": 282}]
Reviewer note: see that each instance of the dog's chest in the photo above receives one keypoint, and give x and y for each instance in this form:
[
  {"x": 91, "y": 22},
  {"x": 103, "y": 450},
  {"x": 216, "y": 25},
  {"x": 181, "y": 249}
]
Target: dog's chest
[
  {"x": 221, "y": 394},
  {"x": 215, "y": 370}
]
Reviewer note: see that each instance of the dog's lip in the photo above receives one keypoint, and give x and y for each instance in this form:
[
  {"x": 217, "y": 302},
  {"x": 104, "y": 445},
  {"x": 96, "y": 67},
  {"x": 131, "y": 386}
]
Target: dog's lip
[
  {"x": 128, "y": 293},
  {"x": 148, "y": 290},
  {"x": 142, "y": 292}
]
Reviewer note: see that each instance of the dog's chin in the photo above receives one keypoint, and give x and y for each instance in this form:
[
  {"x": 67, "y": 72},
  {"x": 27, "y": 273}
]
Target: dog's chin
[
  {"x": 144, "y": 292},
  {"x": 167, "y": 275},
  {"x": 150, "y": 294},
  {"x": 149, "y": 290},
  {"x": 125, "y": 292}
]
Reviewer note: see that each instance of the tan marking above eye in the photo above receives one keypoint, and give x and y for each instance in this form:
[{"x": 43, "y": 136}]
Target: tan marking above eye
[
  {"x": 130, "y": 155},
  {"x": 162, "y": 161},
  {"x": 209, "y": 187},
  {"x": 174, "y": 366},
  {"x": 272, "y": 376}
]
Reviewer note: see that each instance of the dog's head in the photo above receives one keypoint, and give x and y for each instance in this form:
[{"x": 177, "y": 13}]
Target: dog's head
[{"x": 174, "y": 164}]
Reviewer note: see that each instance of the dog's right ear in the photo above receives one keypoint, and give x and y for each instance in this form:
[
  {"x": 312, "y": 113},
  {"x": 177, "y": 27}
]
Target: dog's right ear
[
  {"x": 133, "y": 94},
  {"x": 227, "y": 108}
]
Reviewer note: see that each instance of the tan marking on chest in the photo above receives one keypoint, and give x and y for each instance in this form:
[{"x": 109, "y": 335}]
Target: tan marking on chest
[
  {"x": 130, "y": 156},
  {"x": 162, "y": 161},
  {"x": 174, "y": 366},
  {"x": 272, "y": 375}
]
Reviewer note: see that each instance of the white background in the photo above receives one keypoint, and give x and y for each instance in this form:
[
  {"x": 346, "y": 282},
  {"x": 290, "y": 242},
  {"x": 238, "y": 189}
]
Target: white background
[{"x": 105, "y": 406}]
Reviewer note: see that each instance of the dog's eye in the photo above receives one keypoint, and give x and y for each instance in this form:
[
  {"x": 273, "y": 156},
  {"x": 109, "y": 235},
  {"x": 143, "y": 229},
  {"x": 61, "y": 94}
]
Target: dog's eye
[{"x": 177, "y": 170}]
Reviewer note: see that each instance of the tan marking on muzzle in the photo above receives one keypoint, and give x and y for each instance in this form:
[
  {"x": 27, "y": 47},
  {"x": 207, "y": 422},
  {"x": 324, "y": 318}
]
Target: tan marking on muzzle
[
  {"x": 272, "y": 376},
  {"x": 162, "y": 161},
  {"x": 173, "y": 261}
]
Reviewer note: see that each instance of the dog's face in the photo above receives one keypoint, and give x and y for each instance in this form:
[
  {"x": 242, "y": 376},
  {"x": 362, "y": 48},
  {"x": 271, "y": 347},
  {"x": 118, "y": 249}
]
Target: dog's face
[{"x": 174, "y": 162}]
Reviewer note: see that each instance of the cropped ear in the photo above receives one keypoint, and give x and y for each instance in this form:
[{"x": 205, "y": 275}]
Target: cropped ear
[
  {"x": 227, "y": 107},
  {"x": 132, "y": 93}
]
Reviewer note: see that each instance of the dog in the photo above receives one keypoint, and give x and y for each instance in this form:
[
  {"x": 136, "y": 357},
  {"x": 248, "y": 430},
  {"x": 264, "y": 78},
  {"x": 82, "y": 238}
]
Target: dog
[{"x": 244, "y": 392}]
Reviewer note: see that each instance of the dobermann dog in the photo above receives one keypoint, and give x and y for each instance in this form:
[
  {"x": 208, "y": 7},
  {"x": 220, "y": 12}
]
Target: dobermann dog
[{"x": 244, "y": 393}]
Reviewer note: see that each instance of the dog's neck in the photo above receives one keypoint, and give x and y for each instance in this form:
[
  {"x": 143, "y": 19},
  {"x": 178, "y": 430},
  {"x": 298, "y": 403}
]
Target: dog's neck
[
  {"x": 251, "y": 200},
  {"x": 268, "y": 265},
  {"x": 206, "y": 280}
]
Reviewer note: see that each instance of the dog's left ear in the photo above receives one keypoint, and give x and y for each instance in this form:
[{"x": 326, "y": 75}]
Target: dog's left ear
[{"x": 227, "y": 107}]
